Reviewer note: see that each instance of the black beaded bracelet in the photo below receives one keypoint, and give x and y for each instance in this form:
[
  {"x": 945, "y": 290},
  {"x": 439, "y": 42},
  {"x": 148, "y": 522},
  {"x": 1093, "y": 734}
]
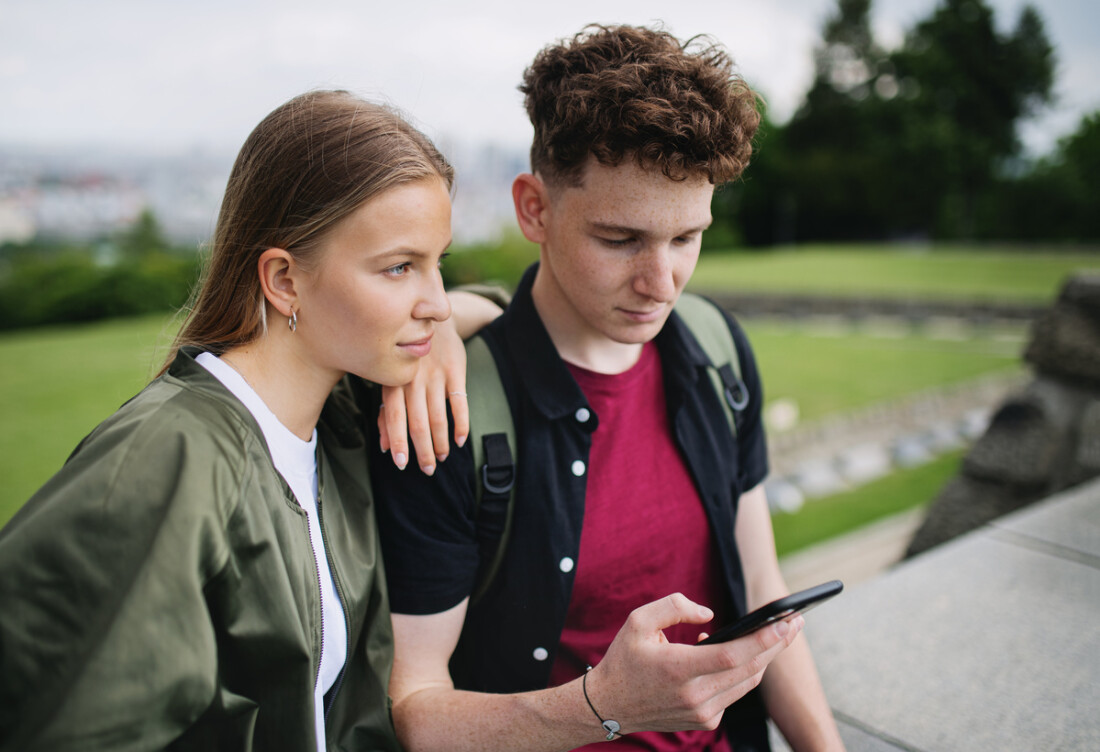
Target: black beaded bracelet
[{"x": 610, "y": 726}]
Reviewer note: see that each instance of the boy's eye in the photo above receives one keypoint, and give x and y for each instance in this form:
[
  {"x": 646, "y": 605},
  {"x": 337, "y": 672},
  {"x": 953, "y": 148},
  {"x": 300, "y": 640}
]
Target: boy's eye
[{"x": 616, "y": 242}]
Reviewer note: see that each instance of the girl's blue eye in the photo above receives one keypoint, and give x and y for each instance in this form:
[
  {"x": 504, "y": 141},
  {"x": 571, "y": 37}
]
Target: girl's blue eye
[{"x": 399, "y": 270}]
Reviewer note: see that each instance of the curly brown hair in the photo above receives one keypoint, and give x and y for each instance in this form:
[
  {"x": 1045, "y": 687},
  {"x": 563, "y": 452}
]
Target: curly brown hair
[{"x": 631, "y": 92}]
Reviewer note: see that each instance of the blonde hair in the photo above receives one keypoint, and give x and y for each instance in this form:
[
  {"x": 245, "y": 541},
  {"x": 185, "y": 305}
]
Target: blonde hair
[{"x": 306, "y": 166}]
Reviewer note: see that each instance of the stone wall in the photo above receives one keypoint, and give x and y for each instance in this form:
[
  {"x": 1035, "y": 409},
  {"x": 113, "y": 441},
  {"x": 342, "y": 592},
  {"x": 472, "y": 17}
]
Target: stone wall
[{"x": 1042, "y": 439}]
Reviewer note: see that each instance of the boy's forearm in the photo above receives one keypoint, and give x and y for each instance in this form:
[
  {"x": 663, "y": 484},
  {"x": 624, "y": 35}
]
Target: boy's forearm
[
  {"x": 643, "y": 682},
  {"x": 796, "y": 701},
  {"x": 441, "y": 719},
  {"x": 471, "y": 312}
]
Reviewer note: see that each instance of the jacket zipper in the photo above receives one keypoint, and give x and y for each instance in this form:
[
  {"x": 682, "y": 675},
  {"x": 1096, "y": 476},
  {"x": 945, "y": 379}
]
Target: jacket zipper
[
  {"x": 339, "y": 595},
  {"x": 320, "y": 603},
  {"x": 317, "y": 573}
]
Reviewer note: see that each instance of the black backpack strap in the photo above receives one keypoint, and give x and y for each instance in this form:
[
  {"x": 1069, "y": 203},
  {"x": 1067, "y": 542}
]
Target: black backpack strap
[
  {"x": 709, "y": 327},
  {"x": 493, "y": 441}
]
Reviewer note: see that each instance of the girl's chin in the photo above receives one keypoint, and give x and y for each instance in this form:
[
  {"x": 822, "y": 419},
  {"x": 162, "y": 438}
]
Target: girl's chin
[{"x": 398, "y": 375}]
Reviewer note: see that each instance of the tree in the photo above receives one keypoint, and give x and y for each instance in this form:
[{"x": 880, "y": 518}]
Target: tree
[
  {"x": 755, "y": 210},
  {"x": 1080, "y": 154},
  {"x": 143, "y": 238},
  {"x": 833, "y": 166},
  {"x": 970, "y": 88},
  {"x": 1057, "y": 198},
  {"x": 913, "y": 143}
]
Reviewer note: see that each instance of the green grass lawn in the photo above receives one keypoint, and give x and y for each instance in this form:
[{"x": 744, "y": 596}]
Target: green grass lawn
[
  {"x": 57, "y": 384},
  {"x": 821, "y": 519},
  {"x": 951, "y": 273},
  {"x": 849, "y": 369}
]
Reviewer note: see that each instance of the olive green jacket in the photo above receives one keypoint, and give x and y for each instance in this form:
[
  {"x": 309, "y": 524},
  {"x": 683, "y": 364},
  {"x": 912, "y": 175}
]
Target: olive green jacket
[{"x": 160, "y": 591}]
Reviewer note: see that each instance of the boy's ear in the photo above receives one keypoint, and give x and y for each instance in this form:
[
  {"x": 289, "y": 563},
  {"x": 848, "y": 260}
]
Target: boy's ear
[
  {"x": 278, "y": 273},
  {"x": 532, "y": 202}
]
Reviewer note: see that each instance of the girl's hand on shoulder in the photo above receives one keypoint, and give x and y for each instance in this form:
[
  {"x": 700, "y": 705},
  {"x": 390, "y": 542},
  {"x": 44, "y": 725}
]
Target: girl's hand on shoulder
[{"x": 419, "y": 409}]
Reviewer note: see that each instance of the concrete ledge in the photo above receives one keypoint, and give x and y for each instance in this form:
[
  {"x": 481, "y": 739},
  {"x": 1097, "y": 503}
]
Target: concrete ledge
[{"x": 988, "y": 642}]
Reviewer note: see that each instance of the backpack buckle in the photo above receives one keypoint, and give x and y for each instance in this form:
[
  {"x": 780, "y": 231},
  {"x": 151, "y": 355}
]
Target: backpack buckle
[
  {"x": 498, "y": 474},
  {"x": 736, "y": 393},
  {"x": 501, "y": 488}
]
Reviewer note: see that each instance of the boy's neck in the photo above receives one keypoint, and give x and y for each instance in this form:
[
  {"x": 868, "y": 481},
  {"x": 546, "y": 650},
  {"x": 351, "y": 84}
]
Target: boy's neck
[{"x": 573, "y": 338}]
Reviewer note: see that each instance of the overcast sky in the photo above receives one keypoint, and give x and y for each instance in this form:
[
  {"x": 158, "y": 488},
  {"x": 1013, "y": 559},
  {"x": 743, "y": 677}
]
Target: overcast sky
[{"x": 162, "y": 75}]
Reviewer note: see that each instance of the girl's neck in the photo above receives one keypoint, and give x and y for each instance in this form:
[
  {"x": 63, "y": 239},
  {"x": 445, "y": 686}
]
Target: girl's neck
[{"x": 291, "y": 387}]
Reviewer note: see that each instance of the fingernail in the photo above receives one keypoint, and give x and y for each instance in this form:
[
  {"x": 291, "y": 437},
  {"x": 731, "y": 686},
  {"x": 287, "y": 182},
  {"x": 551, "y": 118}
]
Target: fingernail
[
  {"x": 440, "y": 457},
  {"x": 705, "y": 613},
  {"x": 461, "y": 441},
  {"x": 782, "y": 628},
  {"x": 429, "y": 470},
  {"x": 400, "y": 460}
]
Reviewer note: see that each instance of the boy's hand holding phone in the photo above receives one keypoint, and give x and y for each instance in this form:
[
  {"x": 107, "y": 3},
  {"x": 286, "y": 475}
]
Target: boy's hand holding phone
[{"x": 777, "y": 610}]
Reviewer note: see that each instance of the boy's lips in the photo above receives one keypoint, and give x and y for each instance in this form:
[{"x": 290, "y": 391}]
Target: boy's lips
[{"x": 643, "y": 316}]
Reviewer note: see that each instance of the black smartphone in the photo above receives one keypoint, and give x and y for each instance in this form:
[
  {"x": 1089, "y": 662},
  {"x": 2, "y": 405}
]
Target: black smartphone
[{"x": 775, "y": 611}]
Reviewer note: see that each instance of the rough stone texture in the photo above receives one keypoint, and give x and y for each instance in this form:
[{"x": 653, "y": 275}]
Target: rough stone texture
[
  {"x": 966, "y": 503},
  {"x": 1088, "y": 445},
  {"x": 1040, "y": 441},
  {"x": 1066, "y": 343}
]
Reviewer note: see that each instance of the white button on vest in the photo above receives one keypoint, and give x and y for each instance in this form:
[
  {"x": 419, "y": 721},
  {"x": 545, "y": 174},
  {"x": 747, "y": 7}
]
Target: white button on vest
[
  {"x": 582, "y": 415},
  {"x": 541, "y": 654},
  {"x": 566, "y": 564},
  {"x": 578, "y": 468}
]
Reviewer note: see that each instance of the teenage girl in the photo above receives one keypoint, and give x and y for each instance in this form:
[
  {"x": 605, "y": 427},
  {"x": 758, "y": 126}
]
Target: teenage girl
[{"x": 204, "y": 571}]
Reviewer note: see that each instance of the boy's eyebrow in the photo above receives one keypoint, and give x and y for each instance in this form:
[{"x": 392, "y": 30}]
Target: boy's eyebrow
[{"x": 625, "y": 230}]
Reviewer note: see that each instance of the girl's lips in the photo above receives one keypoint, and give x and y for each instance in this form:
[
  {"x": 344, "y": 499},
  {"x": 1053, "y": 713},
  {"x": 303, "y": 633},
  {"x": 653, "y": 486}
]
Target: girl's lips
[{"x": 419, "y": 348}]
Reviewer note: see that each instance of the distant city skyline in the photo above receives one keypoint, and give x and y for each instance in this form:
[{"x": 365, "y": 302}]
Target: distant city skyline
[
  {"x": 149, "y": 101},
  {"x": 168, "y": 77}
]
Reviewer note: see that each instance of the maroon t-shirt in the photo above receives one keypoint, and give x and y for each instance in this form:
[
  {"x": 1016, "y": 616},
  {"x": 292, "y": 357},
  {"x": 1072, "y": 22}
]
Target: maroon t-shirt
[{"x": 645, "y": 534}]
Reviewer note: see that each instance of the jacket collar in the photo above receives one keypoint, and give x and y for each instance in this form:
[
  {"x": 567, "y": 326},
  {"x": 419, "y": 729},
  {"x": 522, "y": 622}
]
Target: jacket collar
[
  {"x": 338, "y": 418},
  {"x": 190, "y": 372},
  {"x": 547, "y": 380},
  {"x": 185, "y": 368}
]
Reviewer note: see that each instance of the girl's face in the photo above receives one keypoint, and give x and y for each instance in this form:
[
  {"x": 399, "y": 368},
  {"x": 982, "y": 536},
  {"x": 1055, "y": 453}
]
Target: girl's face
[{"x": 370, "y": 303}]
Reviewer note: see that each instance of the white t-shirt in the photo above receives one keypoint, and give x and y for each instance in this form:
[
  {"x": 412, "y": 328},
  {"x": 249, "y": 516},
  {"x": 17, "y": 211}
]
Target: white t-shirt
[{"x": 296, "y": 461}]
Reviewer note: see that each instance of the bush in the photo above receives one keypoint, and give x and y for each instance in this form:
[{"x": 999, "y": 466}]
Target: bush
[
  {"x": 501, "y": 262},
  {"x": 72, "y": 287}
]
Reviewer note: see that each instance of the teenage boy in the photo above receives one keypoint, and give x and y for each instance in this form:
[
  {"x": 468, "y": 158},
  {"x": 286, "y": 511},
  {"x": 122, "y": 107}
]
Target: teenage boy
[{"x": 630, "y": 486}]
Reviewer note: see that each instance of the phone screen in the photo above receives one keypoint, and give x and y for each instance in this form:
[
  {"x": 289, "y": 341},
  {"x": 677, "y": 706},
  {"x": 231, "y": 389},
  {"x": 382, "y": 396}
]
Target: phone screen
[{"x": 775, "y": 611}]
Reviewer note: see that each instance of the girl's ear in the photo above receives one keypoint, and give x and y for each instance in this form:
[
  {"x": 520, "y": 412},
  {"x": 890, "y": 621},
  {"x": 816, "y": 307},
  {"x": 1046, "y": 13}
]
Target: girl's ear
[
  {"x": 278, "y": 276},
  {"x": 532, "y": 202}
]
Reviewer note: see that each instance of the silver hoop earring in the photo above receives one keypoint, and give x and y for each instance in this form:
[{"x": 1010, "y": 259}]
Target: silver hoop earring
[{"x": 293, "y": 320}]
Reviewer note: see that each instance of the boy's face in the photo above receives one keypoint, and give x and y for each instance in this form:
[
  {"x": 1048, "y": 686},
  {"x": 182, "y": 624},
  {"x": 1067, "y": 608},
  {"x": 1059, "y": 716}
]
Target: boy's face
[{"x": 617, "y": 252}]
